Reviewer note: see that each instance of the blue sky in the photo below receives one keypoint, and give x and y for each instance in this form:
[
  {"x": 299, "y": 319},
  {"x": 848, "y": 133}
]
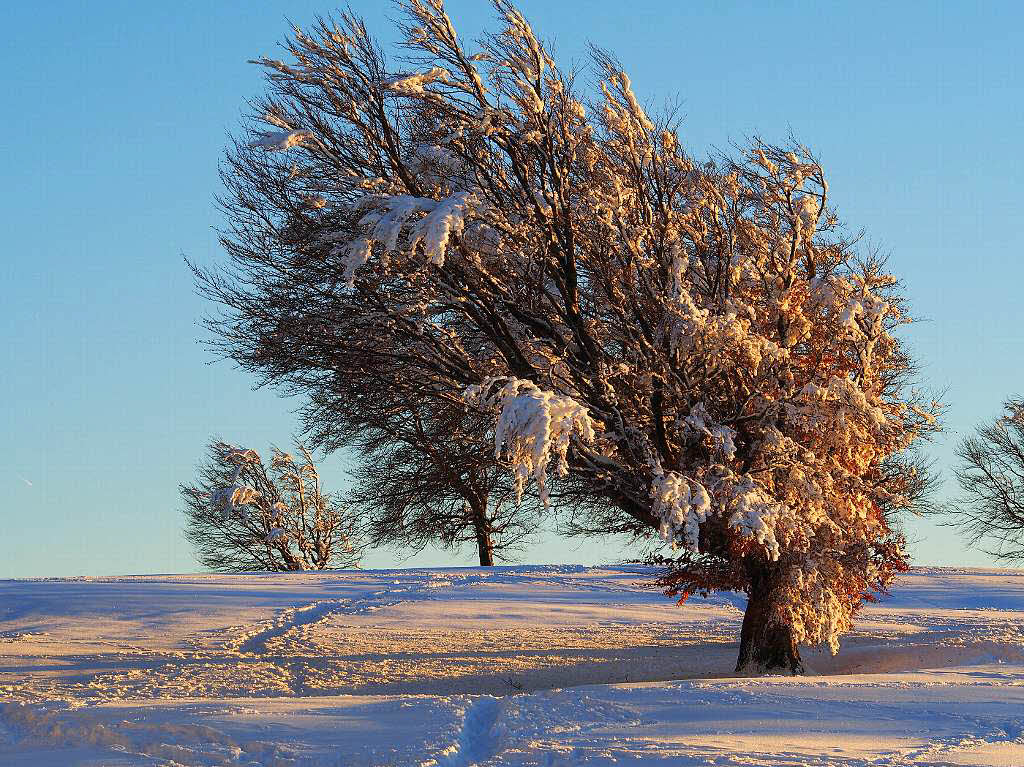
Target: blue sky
[{"x": 117, "y": 117}]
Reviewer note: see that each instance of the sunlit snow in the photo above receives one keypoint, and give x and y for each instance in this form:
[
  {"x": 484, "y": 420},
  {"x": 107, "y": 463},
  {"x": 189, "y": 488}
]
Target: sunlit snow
[{"x": 555, "y": 665}]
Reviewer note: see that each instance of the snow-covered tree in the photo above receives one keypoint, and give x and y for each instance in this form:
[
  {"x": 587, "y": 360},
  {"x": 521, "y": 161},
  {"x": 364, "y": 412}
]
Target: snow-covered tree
[
  {"x": 243, "y": 514},
  {"x": 991, "y": 475},
  {"x": 692, "y": 348}
]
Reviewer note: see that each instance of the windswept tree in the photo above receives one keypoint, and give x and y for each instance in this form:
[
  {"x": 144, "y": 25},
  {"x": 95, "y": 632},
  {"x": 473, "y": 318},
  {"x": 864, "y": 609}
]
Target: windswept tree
[
  {"x": 245, "y": 515},
  {"x": 694, "y": 349},
  {"x": 991, "y": 475}
]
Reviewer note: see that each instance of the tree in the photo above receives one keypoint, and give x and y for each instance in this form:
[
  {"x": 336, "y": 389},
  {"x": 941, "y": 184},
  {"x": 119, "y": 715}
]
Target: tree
[
  {"x": 991, "y": 476},
  {"x": 423, "y": 473},
  {"x": 244, "y": 515},
  {"x": 439, "y": 485},
  {"x": 690, "y": 349}
]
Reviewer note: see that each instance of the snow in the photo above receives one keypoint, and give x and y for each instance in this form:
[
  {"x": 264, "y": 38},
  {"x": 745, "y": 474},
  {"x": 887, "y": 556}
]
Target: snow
[
  {"x": 281, "y": 140},
  {"x": 534, "y": 427},
  {"x": 408, "y": 85},
  {"x": 390, "y": 215},
  {"x": 437, "y": 227},
  {"x": 679, "y": 505},
  {"x": 530, "y": 665}
]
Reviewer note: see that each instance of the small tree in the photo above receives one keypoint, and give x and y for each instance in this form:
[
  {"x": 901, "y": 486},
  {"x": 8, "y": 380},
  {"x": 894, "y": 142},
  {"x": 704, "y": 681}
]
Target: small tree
[
  {"x": 694, "y": 349},
  {"x": 991, "y": 475},
  {"x": 429, "y": 478},
  {"x": 244, "y": 515}
]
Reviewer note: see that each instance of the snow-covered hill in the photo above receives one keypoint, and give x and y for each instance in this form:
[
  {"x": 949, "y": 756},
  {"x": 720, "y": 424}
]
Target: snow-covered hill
[{"x": 548, "y": 666}]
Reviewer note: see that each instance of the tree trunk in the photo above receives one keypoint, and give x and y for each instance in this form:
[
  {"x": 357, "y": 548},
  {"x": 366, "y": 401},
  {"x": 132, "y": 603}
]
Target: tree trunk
[
  {"x": 483, "y": 535},
  {"x": 766, "y": 643},
  {"x": 483, "y": 545}
]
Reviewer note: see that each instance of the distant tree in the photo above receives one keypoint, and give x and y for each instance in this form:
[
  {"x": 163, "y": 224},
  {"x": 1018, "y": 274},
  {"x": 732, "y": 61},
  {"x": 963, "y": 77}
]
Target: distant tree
[
  {"x": 691, "y": 348},
  {"x": 428, "y": 477},
  {"x": 244, "y": 515},
  {"x": 991, "y": 475},
  {"x": 423, "y": 471}
]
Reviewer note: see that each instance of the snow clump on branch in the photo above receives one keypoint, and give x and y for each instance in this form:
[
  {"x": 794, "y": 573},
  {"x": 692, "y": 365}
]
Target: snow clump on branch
[
  {"x": 681, "y": 506},
  {"x": 281, "y": 140},
  {"x": 412, "y": 85},
  {"x": 534, "y": 426},
  {"x": 389, "y": 218}
]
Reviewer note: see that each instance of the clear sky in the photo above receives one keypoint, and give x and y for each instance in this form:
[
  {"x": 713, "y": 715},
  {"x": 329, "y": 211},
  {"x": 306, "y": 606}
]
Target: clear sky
[{"x": 117, "y": 114}]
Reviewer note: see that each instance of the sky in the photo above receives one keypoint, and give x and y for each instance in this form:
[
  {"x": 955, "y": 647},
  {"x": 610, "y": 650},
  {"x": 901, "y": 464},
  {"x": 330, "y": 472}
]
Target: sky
[{"x": 119, "y": 112}]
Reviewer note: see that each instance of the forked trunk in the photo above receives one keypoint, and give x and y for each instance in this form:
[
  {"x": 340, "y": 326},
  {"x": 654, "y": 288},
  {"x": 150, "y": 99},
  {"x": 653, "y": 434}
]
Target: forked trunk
[
  {"x": 766, "y": 642},
  {"x": 483, "y": 535}
]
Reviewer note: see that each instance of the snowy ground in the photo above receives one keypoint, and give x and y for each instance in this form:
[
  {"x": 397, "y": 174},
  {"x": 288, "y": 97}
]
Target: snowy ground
[{"x": 515, "y": 666}]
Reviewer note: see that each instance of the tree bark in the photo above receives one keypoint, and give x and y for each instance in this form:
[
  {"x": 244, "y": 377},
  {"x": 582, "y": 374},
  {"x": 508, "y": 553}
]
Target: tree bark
[
  {"x": 766, "y": 643},
  {"x": 483, "y": 535},
  {"x": 483, "y": 545}
]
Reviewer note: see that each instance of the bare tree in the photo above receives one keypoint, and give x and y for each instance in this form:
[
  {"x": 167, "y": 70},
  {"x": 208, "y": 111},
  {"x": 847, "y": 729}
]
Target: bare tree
[
  {"x": 687, "y": 349},
  {"x": 244, "y": 515},
  {"x": 430, "y": 478},
  {"x": 991, "y": 475},
  {"x": 423, "y": 471}
]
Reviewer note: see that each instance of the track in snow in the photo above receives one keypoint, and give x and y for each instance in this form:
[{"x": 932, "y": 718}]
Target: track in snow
[
  {"x": 295, "y": 618},
  {"x": 476, "y": 741}
]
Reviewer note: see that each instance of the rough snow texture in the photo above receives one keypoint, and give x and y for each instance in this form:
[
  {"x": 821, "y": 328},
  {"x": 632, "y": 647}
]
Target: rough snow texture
[{"x": 553, "y": 665}]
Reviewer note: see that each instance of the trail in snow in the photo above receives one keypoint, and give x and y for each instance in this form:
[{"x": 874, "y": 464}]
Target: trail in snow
[
  {"x": 477, "y": 740},
  {"x": 289, "y": 620},
  {"x": 293, "y": 619},
  {"x": 296, "y": 671},
  {"x": 278, "y": 641}
]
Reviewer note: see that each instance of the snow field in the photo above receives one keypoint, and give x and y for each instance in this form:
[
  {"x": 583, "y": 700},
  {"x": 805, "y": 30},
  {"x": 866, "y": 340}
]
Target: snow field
[{"x": 516, "y": 666}]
